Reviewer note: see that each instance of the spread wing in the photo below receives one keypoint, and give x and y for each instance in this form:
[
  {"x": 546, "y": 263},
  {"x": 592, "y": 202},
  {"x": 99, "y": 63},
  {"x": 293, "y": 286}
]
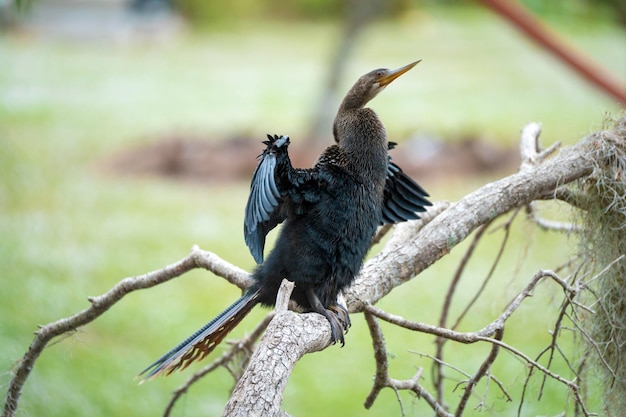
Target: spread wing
[
  {"x": 403, "y": 197},
  {"x": 276, "y": 189}
]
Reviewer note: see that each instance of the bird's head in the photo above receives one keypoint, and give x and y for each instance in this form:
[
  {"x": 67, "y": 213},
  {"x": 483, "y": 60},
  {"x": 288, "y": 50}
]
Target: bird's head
[{"x": 372, "y": 83}]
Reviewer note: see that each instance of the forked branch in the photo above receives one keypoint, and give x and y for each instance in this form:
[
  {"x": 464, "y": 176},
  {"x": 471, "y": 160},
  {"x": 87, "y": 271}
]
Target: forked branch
[{"x": 413, "y": 247}]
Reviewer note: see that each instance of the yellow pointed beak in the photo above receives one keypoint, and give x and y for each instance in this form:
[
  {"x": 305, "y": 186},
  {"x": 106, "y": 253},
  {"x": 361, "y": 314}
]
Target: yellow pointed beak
[{"x": 391, "y": 75}]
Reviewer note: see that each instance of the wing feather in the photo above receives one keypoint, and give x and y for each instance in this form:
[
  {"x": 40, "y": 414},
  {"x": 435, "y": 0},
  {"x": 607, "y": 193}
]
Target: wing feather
[
  {"x": 277, "y": 189},
  {"x": 403, "y": 197},
  {"x": 262, "y": 212}
]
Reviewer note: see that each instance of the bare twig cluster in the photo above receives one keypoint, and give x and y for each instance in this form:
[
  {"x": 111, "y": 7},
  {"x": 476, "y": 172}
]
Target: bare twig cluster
[
  {"x": 412, "y": 248},
  {"x": 492, "y": 333}
]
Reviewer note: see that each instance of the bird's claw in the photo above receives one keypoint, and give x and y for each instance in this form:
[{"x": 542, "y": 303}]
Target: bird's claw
[
  {"x": 339, "y": 321},
  {"x": 342, "y": 314},
  {"x": 336, "y": 328}
]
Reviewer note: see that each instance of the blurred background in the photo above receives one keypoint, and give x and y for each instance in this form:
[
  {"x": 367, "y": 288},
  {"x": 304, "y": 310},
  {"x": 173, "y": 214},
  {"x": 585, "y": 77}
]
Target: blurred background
[{"x": 129, "y": 132}]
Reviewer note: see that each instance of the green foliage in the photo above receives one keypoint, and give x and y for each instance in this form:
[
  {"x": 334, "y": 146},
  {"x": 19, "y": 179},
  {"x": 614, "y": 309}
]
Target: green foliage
[
  {"x": 305, "y": 9},
  {"x": 206, "y": 13},
  {"x": 591, "y": 9}
]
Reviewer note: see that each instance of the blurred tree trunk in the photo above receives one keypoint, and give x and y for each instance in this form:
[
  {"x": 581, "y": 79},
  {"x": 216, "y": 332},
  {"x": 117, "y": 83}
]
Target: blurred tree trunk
[{"x": 357, "y": 16}]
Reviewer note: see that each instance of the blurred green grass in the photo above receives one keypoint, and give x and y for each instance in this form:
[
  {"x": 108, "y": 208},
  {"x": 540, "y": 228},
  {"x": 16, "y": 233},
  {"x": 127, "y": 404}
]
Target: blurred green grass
[{"x": 68, "y": 231}]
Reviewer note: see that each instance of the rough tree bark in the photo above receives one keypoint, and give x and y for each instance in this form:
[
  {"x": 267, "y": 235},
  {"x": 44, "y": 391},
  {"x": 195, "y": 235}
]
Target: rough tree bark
[{"x": 413, "y": 247}]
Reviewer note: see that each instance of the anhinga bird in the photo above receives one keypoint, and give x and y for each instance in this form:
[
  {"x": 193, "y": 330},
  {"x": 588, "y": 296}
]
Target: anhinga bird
[{"x": 330, "y": 214}]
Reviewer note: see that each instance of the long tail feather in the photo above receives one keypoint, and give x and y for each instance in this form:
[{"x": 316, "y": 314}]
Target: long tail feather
[{"x": 202, "y": 342}]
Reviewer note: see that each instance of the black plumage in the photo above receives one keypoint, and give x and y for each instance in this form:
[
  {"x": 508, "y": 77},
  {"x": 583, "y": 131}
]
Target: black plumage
[{"x": 329, "y": 212}]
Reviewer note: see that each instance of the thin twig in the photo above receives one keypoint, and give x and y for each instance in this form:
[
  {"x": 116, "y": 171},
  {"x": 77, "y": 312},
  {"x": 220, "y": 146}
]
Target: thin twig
[
  {"x": 441, "y": 362},
  {"x": 550, "y": 225},
  {"x": 496, "y": 261},
  {"x": 438, "y": 374},
  {"x": 381, "y": 378},
  {"x": 480, "y": 373}
]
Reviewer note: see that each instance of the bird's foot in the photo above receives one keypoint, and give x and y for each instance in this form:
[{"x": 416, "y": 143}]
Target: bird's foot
[
  {"x": 342, "y": 314},
  {"x": 337, "y": 316},
  {"x": 337, "y": 325}
]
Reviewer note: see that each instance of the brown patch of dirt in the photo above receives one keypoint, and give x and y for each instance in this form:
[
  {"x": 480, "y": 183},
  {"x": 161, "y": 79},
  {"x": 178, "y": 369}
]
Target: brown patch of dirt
[{"x": 193, "y": 158}]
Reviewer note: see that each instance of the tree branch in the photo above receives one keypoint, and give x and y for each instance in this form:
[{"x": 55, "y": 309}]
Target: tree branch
[
  {"x": 100, "y": 304},
  {"x": 413, "y": 247},
  {"x": 288, "y": 337},
  {"x": 416, "y": 245}
]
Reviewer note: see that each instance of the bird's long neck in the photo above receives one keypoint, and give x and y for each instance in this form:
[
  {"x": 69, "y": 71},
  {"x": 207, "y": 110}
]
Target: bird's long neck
[
  {"x": 356, "y": 98},
  {"x": 361, "y": 135}
]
